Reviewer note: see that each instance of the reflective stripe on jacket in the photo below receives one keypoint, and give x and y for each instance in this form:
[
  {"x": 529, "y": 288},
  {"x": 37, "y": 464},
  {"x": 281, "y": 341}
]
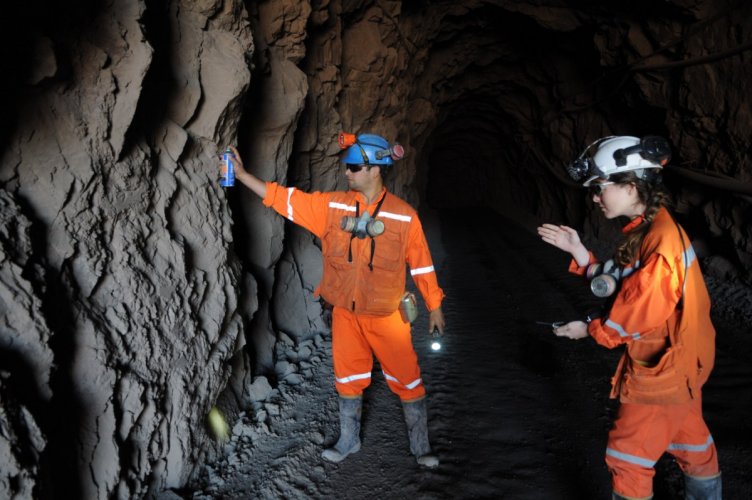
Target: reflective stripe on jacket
[
  {"x": 670, "y": 350},
  {"x": 352, "y": 284}
]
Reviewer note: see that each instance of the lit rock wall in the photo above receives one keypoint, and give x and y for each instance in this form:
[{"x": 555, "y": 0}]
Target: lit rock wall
[{"x": 120, "y": 289}]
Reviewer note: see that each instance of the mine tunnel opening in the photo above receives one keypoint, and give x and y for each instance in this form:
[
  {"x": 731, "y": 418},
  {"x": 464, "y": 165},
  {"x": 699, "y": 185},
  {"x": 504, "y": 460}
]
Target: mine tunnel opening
[{"x": 475, "y": 158}]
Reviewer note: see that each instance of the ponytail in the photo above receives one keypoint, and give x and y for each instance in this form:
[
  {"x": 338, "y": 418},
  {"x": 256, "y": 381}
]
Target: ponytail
[{"x": 655, "y": 197}]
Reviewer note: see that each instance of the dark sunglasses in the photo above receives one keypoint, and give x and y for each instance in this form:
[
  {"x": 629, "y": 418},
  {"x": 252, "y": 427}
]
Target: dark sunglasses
[
  {"x": 596, "y": 189},
  {"x": 355, "y": 167}
]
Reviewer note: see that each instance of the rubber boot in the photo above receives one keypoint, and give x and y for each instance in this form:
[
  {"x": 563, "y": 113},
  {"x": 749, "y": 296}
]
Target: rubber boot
[
  {"x": 702, "y": 488},
  {"x": 417, "y": 431},
  {"x": 349, "y": 430}
]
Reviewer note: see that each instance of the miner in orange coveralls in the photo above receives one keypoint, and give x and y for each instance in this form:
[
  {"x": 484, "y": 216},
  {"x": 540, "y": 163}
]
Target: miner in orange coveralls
[
  {"x": 659, "y": 308},
  {"x": 368, "y": 235}
]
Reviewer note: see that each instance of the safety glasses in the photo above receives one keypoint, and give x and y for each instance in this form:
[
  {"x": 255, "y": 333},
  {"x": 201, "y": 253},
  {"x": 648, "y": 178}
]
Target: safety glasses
[
  {"x": 355, "y": 167},
  {"x": 597, "y": 188}
]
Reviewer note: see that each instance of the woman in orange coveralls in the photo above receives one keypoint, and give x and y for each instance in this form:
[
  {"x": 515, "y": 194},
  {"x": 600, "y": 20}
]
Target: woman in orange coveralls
[
  {"x": 364, "y": 280},
  {"x": 661, "y": 311}
]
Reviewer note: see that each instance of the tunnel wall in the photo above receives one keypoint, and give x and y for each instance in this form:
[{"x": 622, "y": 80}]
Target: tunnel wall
[{"x": 120, "y": 307}]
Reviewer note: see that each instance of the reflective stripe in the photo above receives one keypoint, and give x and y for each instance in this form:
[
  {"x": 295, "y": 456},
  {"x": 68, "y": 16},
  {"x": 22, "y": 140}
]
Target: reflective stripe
[
  {"x": 692, "y": 447},
  {"x": 632, "y": 459},
  {"x": 412, "y": 385},
  {"x": 341, "y": 206},
  {"x": 421, "y": 270},
  {"x": 629, "y": 270},
  {"x": 289, "y": 205},
  {"x": 691, "y": 256},
  {"x": 389, "y": 215},
  {"x": 620, "y": 330},
  {"x": 353, "y": 378}
]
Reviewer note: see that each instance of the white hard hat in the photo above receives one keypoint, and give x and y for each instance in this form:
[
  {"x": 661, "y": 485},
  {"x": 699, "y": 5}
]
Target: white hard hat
[{"x": 628, "y": 154}]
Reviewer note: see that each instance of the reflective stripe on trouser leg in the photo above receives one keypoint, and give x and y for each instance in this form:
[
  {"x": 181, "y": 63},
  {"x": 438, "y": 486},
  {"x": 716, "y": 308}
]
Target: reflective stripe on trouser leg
[
  {"x": 392, "y": 343},
  {"x": 641, "y": 434},
  {"x": 355, "y": 339},
  {"x": 693, "y": 445},
  {"x": 351, "y": 353}
]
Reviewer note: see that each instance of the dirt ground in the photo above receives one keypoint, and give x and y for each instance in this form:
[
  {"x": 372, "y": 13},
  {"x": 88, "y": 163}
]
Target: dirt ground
[{"x": 514, "y": 412}]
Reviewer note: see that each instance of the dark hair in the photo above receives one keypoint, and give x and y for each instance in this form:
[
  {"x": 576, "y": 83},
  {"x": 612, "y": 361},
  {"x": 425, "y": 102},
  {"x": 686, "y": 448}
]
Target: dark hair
[
  {"x": 384, "y": 171},
  {"x": 654, "y": 196}
]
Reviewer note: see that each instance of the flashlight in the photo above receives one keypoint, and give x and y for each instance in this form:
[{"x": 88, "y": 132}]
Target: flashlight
[{"x": 435, "y": 343}]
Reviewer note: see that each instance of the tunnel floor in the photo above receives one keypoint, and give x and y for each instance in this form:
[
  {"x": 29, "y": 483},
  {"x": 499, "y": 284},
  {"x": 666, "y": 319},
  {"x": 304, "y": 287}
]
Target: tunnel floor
[{"x": 514, "y": 412}]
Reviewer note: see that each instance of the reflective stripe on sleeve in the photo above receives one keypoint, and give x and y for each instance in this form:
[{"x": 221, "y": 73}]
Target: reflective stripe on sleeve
[
  {"x": 289, "y": 205},
  {"x": 632, "y": 459},
  {"x": 689, "y": 257},
  {"x": 412, "y": 385},
  {"x": 421, "y": 270},
  {"x": 352, "y": 378},
  {"x": 620, "y": 330},
  {"x": 692, "y": 447}
]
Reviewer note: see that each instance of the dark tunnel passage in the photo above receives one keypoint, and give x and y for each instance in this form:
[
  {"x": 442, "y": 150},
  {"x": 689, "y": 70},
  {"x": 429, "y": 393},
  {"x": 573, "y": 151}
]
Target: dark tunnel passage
[{"x": 519, "y": 89}]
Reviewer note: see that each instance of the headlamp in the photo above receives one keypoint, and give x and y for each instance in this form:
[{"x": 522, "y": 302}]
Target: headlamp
[
  {"x": 346, "y": 140},
  {"x": 584, "y": 166},
  {"x": 579, "y": 169}
]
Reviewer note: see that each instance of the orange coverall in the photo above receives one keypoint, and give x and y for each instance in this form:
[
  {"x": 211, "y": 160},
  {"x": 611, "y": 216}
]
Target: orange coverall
[
  {"x": 669, "y": 355},
  {"x": 364, "y": 279}
]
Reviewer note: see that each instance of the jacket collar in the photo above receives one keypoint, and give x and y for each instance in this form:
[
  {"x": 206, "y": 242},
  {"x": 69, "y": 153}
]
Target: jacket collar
[
  {"x": 633, "y": 223},
  {"x": 362, "y": 199}
]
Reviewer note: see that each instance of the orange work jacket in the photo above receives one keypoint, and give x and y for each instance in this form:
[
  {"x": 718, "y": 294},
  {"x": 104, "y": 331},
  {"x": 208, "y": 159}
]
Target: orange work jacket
[
  {"x": 351, "y": 278},
  {"x": 670, "y": 350}
]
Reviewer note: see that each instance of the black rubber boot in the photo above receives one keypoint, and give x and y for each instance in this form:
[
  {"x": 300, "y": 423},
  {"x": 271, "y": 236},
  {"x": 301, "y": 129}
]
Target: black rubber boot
[
  {"x": 702, "y": 488},
  {"x": 349, "y": 430},
  {"x": 417, "y": 431}
]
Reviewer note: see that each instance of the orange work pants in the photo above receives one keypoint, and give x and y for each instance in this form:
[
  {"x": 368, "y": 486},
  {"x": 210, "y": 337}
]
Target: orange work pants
[
  {"x": 357, "y": 338},
  {"x": 642, "y": 433}
]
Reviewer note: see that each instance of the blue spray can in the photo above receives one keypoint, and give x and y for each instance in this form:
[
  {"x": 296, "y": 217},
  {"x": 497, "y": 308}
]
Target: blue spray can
[{"x": 228, "y": 169}]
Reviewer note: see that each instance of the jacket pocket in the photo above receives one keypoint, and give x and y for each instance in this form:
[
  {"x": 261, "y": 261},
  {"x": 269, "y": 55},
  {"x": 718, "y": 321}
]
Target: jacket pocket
[
  {"x": 388, "y": 255},
  {"x": 335, "y": 242},
  {"x": 663, "y": 383}
]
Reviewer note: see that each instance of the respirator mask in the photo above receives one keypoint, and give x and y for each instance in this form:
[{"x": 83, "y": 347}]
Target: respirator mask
[
  {"x": 604, "y": 278},
  {"x": 362, "y": 226}
]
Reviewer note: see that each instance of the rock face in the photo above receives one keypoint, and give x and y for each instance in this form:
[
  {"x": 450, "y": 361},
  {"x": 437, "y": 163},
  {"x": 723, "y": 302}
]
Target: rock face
[
  {"x": 122, "y": 298},
  {"x": 135, "y": 292}
]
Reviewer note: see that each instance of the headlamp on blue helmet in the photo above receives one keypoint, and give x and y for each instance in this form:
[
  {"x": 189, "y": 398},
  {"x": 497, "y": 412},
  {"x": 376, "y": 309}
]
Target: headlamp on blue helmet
[{"x": 369, "y": 149}]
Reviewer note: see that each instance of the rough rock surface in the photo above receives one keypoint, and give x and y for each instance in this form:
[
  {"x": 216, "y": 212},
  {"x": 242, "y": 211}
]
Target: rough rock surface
[
  {"x": 123, "y": 297},
  {"x": 135, "y": 293}
]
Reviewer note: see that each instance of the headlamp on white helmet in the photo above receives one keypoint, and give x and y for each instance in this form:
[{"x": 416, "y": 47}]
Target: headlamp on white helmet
[{"x": 617, "y": 154}]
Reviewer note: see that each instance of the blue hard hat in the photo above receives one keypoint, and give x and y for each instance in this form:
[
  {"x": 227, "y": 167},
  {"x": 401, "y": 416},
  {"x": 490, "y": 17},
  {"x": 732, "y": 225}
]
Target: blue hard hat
[{"x": 369, "y": 149}]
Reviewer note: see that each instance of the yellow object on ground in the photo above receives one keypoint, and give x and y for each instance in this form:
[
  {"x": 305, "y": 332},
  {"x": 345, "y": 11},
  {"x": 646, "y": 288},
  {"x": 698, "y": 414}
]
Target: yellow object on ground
[{"x": 218, "y": 425}]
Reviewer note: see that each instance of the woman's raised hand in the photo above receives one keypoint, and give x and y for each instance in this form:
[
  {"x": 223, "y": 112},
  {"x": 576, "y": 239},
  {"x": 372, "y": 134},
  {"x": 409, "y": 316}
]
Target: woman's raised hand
[
  {"x": 565, "y": 238},
  {"x": 562, "y": 237}
]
